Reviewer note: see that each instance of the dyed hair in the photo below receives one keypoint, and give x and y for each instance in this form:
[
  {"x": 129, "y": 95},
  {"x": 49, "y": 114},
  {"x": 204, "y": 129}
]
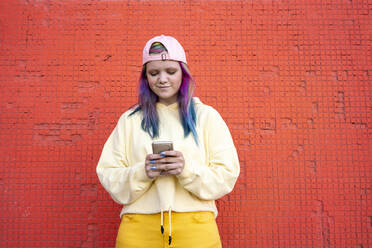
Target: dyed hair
[
  {"x": 147, "y": 105},
  {"x": 157, "y": 47}
]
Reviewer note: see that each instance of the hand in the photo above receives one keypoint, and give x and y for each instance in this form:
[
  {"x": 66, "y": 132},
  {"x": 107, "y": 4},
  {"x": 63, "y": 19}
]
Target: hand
[
  {"x": 172, "y": 163},
  {"x": 166, "y": 163},
  {"x": 151, "y": 165}
]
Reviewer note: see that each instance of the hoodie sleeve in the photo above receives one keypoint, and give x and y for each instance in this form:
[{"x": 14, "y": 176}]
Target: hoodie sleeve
[
  {"x": 218, "y": 177},
  {"x": 124, "y": 182}
]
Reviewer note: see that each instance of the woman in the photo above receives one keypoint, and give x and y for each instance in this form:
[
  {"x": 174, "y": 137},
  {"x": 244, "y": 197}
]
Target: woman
[{"x": 169, "y": 198}]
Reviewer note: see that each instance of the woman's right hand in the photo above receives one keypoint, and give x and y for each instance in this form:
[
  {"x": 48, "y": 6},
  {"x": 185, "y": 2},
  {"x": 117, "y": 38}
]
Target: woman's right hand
[{"x": 151, "y": 165}]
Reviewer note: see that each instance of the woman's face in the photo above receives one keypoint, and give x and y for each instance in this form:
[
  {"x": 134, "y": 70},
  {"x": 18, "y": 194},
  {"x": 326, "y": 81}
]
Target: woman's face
[{"x": 164, "y": 78}]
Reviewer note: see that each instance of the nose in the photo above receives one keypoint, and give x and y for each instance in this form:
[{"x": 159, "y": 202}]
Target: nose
[{"x": 162, "y": 77}]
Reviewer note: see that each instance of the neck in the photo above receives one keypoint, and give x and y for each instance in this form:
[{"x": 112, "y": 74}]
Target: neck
[{"x": 168, "y": 101}]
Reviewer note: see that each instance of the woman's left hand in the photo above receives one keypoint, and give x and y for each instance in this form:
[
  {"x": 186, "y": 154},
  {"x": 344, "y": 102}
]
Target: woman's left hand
[{"x": 172, "y": 163}]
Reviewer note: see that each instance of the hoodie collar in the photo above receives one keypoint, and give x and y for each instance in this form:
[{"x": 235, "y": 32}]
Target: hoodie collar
[
  {"x": 174, "y": 106},
  {"x": 164, "y": 106}
]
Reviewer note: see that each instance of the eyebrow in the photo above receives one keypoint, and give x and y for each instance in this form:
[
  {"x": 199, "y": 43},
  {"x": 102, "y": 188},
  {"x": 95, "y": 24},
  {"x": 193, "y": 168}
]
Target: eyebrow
[{"x": 167, "y": 68}]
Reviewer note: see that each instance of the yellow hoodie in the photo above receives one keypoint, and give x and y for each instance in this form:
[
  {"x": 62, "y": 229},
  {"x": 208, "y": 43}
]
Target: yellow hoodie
[{"x": 211, "y": 168}]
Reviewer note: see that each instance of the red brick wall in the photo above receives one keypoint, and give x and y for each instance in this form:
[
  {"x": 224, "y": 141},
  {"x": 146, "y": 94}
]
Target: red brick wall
[{"x": 291, "y": 78}]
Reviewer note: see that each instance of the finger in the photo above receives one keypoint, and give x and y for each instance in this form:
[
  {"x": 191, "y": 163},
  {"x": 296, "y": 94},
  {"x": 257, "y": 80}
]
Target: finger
[
  {"x": 169, "y": 166},
  {"x": 172, "y": 153},
  {"x": 152, "y": 171},
  {"x": 168, "y": 159},
  {"x": 153, "y": 156},
  {"x": 152, "y": 166},
  {"x": 175, "y": 171},
  {"x": 152, "y": 162},
  {"x": 164, "y": 166},
  {"x": 153, "y": 175}
]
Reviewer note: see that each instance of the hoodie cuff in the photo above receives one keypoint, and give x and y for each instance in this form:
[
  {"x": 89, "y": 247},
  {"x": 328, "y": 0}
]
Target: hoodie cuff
[
  {"x": 140, "y": 173},
  {"x": 188, "y": 174}
]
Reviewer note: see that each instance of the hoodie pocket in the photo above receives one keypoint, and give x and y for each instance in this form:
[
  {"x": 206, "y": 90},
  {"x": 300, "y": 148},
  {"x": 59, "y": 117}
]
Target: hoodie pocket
[
  {"x": 129, "y": 218},
  {"x": 202, "y": 217}
]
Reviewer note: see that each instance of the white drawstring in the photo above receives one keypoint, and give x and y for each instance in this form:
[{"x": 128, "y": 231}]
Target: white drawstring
[
  {"x": 170, "y": 224},
  {"x": 161, "y": 222}
]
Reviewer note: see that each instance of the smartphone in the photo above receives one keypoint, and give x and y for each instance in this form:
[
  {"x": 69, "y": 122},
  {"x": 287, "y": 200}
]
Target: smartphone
[{"x": 161, "y": 146}]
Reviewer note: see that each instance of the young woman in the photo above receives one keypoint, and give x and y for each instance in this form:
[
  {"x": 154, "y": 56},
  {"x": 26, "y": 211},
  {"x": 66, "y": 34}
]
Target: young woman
[{"x": 169, "y": 198}]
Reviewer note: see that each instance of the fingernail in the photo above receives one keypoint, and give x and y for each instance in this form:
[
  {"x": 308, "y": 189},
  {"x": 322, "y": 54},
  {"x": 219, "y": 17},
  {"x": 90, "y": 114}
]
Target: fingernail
[
  {"x": 162, "y": 154},
  {"x": 152, "y": 162}
]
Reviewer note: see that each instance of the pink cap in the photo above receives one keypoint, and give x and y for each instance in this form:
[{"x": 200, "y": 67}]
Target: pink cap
[{"x": 174, "y": 48}]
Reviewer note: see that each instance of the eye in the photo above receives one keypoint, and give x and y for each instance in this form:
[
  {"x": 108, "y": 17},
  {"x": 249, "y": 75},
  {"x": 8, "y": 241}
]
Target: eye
[
  {"x": 171, "y": 72},
  {"x": 153, "y": 73}
]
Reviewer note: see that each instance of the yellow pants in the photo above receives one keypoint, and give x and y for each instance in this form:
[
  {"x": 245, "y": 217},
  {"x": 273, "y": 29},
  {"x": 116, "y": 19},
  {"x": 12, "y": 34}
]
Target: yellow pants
[{"x": 188, "y": 230}]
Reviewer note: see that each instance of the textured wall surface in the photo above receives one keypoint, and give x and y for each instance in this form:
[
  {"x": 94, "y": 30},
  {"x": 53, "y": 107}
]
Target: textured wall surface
[{"x": 291, "y": 78}]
